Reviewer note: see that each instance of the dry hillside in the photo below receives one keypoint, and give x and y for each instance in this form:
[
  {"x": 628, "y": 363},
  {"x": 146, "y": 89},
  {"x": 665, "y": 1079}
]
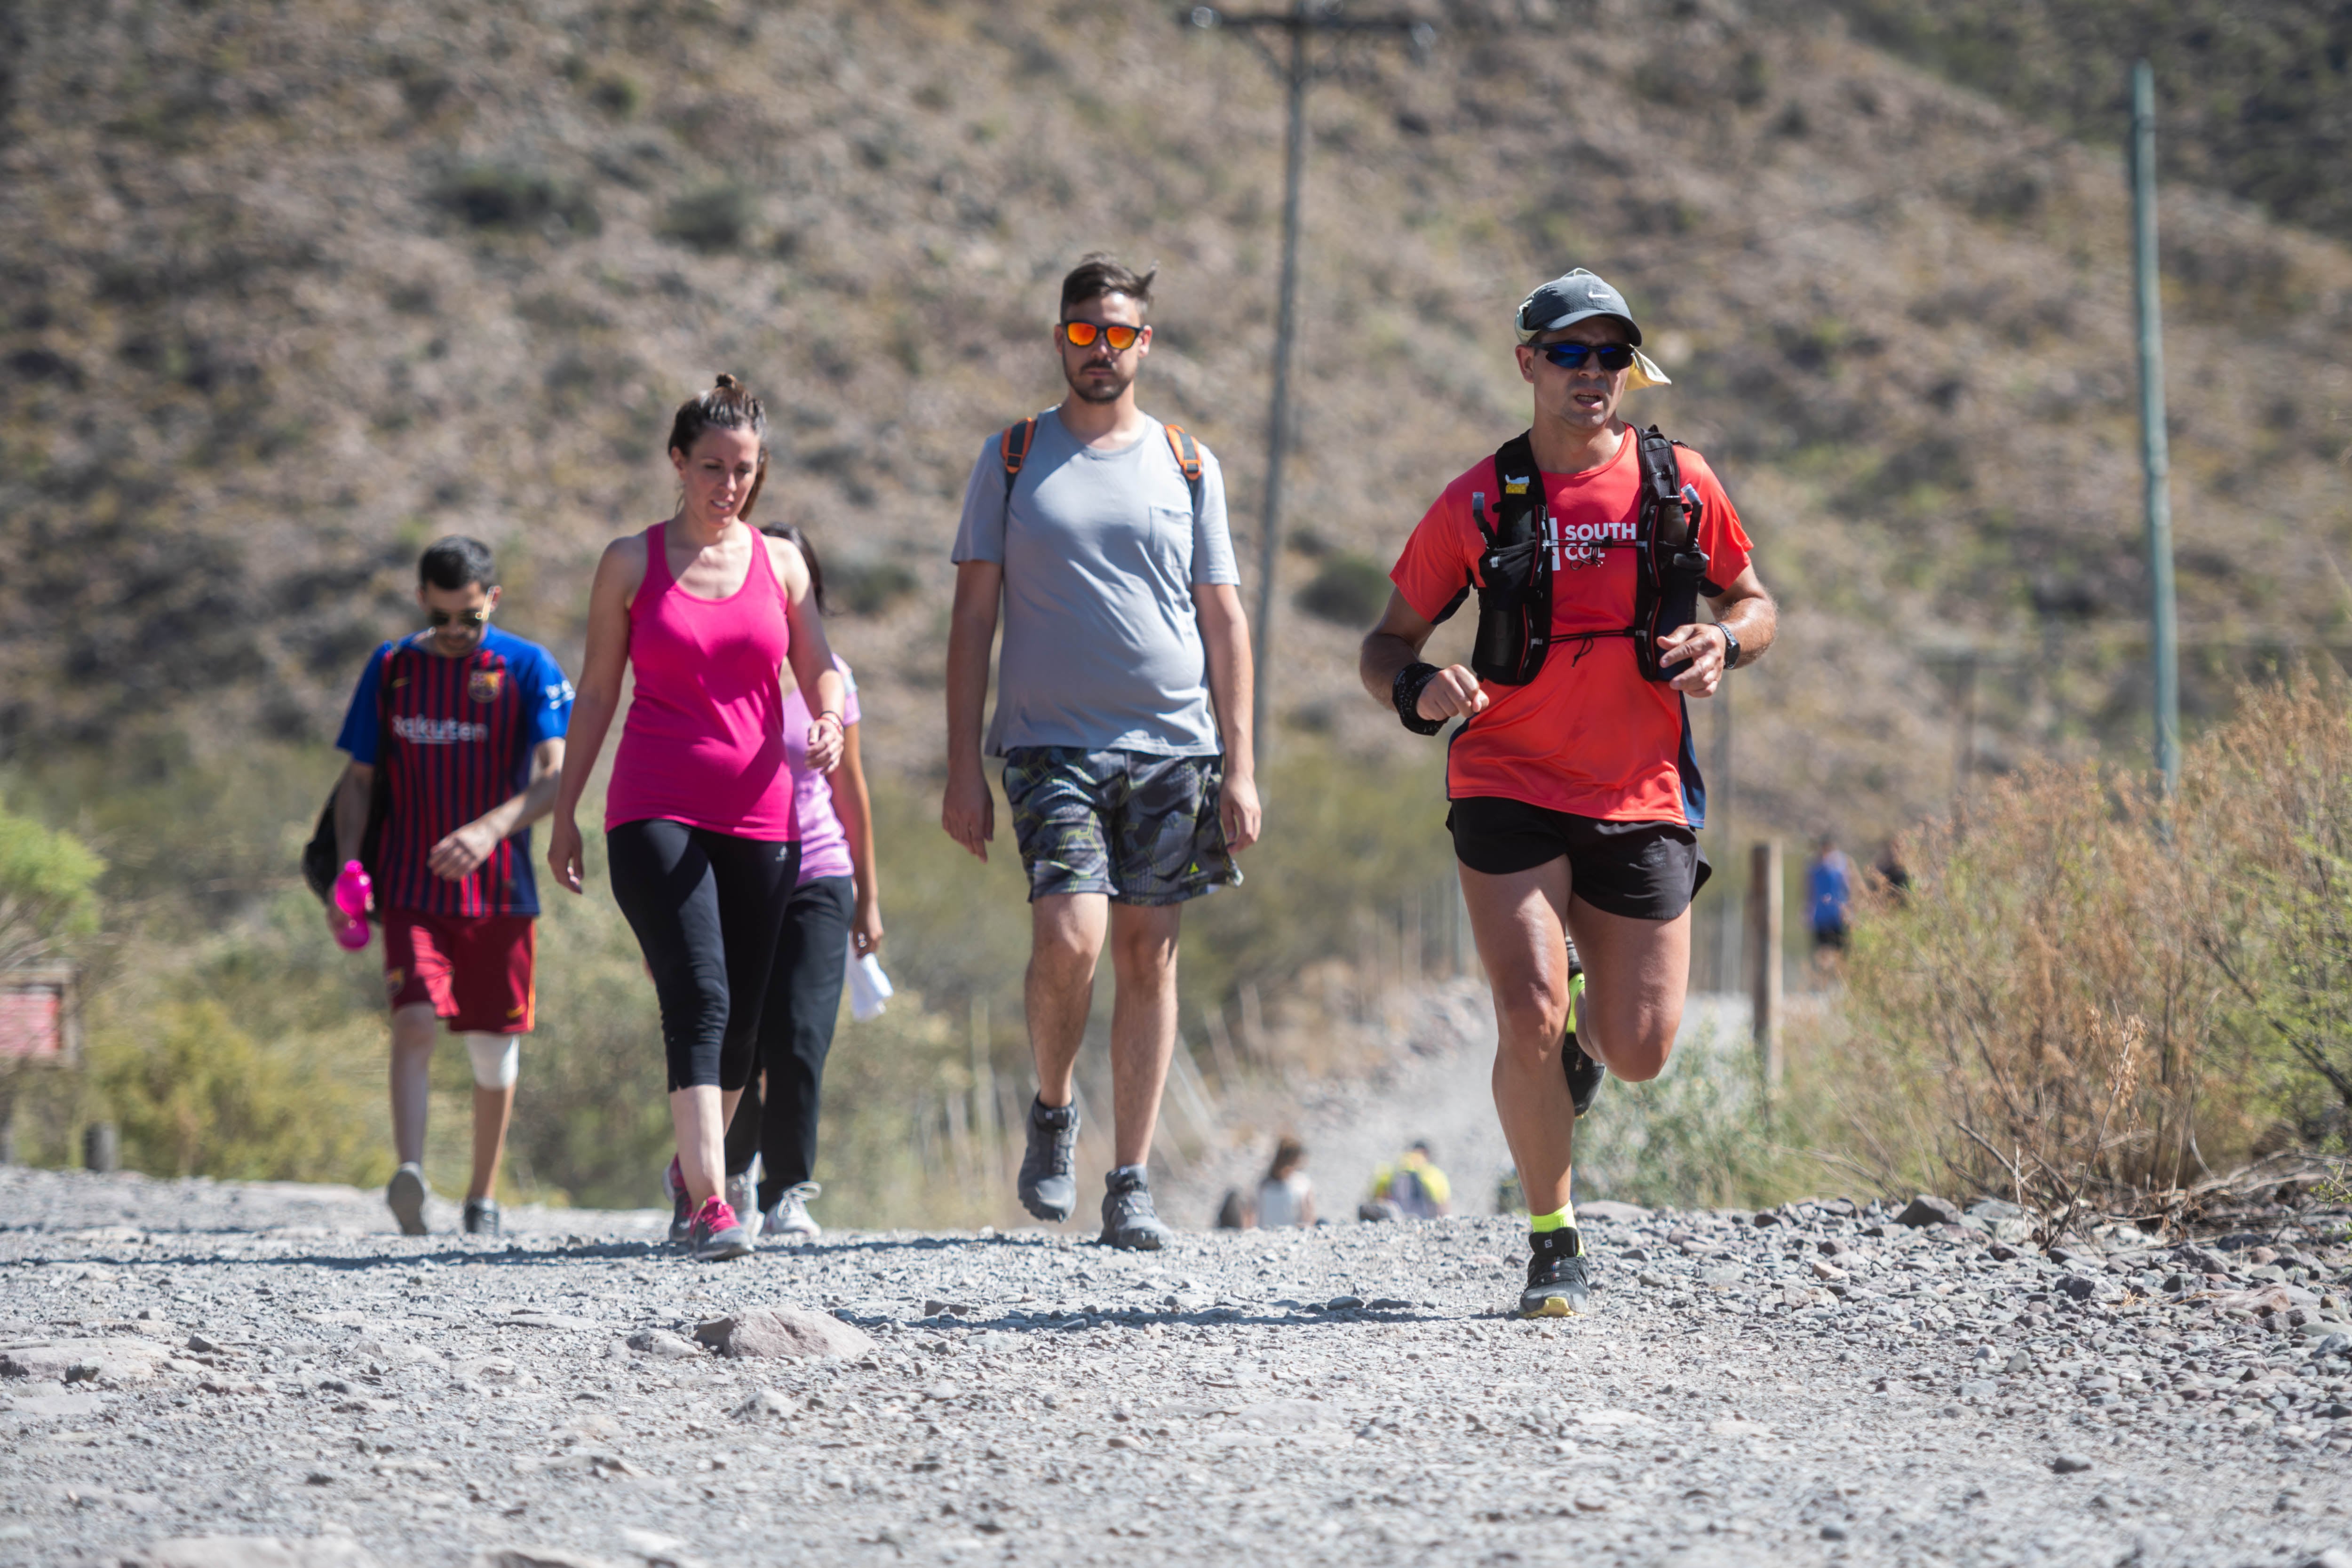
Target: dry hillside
[{"x": 290, "y": 288}]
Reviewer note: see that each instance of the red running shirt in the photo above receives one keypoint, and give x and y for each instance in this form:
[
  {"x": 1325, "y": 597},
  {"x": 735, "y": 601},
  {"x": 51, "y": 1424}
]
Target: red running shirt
[{"x": 1588, "y": 735}]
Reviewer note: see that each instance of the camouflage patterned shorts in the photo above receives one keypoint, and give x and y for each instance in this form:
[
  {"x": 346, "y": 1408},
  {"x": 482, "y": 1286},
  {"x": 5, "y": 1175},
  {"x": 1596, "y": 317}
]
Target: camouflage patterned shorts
[{"x": 1139, "y": 827}]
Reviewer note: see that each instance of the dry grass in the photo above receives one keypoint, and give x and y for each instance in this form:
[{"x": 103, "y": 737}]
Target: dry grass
[{"x": 2092, "y": 996}]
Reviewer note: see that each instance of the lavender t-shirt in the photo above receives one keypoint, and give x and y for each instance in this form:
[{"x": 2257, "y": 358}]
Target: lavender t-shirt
[{"x": 824, "y": 843}]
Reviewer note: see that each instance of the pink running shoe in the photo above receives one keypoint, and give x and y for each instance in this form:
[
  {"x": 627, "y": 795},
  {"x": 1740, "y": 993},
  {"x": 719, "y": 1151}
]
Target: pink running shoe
[{"x": 716, "y": 1234}]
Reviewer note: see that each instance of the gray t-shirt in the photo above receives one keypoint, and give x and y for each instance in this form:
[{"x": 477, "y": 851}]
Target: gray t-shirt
[{"x": 1100, "y": 552}]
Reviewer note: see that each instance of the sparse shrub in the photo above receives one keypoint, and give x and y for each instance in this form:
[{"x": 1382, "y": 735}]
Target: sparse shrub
[
  {"x": 1699, "y": 1135},
  {"x": 712, "y": 219},
  {"x": 2266, "y": 803},
  {"x": 2102, "y": 996},
  {"x": 618, "y": 96},
  {"x": 497, "y": 196},
  {"x": 870, "y": 586},
  {"x": 2040, "y": 988},
  {"x": 1349, "y": 589}
]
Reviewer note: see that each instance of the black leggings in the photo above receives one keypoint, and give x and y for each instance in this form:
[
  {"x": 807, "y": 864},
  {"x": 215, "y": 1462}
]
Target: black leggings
[
  {"x": 777, "y": 1118},
  {"x": 704, "y": 907}
]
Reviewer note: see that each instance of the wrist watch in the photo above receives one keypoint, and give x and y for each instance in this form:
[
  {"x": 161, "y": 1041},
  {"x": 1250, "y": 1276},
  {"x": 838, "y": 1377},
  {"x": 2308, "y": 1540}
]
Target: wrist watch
[{"x": 1730, "y": 646}]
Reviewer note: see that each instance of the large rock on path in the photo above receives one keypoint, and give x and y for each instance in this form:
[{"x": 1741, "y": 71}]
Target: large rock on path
[
  {"x": 72, "y": 1361},
  {"x": 1926, "y": 1210},
  {"x": 782, "y": 1332}
]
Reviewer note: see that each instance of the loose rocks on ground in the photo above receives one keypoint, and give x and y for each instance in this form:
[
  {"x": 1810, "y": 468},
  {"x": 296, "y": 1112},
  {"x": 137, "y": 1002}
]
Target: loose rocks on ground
[{"x": 275, "y": 1367}]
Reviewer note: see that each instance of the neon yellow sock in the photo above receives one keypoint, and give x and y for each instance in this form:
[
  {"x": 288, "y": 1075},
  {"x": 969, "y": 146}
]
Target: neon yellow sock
[{"x": 1565, "y": 1219}]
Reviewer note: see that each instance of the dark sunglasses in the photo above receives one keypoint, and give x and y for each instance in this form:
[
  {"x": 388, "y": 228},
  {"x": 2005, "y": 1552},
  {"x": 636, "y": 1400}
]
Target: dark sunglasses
[
  {"x": 1571, "y": 356},
  {"x": 466, "y": 618},
  {"x": 1082, "y": 335}
]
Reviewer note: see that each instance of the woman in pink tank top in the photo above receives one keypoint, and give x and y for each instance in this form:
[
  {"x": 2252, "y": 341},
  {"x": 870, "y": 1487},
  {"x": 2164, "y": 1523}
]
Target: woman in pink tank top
[{"x": 699, "y": 821}]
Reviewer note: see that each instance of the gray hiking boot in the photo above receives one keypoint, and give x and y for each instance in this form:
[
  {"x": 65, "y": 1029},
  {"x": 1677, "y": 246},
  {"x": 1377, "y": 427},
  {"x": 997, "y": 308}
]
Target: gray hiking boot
[
  {"x": 404, "y": 1195},
  {"x": 1129, "y": 1220},
  {"x": 1048, "y": 1190}
]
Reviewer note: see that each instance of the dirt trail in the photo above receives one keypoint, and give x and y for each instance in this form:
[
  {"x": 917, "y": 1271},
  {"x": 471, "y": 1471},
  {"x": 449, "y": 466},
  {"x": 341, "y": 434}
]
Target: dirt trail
[{"x": 202, "y": 1360}]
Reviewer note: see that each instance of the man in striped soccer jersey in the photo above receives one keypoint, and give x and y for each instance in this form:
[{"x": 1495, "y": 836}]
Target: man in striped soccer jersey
[{"x": 469, "y": 723}]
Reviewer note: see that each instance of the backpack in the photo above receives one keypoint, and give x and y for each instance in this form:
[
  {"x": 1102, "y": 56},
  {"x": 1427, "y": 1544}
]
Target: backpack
[
  {"x": 1515, "y": 568},
  {"x": 1013, "y": 446}
]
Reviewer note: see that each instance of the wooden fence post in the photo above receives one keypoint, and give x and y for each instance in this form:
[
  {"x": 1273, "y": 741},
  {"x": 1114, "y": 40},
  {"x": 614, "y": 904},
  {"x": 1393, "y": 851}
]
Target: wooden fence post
[{"x": 1764, "y": 900}]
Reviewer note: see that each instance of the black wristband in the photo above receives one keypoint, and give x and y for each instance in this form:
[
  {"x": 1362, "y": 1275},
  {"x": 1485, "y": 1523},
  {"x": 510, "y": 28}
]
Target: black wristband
[
  {"x": 1730, "y": 646},
  {"x": 1410, "y": 680}
]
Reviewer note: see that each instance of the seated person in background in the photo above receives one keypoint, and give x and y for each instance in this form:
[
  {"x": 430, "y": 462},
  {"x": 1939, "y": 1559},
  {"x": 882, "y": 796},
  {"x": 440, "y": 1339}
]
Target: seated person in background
[
  {"x": 1285, "y": 1197},
  {"x": 1412, "y": 1188}
]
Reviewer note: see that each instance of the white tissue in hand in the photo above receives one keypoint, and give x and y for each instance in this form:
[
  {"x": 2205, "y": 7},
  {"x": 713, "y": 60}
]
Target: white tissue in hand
[{"x": 868, "y": 987}]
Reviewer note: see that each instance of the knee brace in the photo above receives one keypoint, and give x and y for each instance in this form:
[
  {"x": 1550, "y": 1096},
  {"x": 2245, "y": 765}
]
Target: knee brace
[{"x": 498, "y": 1059}]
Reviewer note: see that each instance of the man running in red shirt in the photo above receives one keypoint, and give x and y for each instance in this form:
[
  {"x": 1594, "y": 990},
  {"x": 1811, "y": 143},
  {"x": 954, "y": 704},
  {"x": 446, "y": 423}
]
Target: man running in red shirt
[
  {"x": 1576, "y": 795},
  {"x": 469, "y": 724}
]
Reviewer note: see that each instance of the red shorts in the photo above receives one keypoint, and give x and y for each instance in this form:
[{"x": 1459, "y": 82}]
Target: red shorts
[{"x": 477, "y": 970}]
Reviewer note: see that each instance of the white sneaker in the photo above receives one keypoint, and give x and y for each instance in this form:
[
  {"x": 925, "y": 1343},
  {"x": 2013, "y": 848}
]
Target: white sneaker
[
  {"x": 790, "y": 1215},
  {"x": 743, "y": 1197}
]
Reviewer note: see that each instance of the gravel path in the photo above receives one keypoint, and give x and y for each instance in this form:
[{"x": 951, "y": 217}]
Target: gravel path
[{"x": 200, "y": 1360}]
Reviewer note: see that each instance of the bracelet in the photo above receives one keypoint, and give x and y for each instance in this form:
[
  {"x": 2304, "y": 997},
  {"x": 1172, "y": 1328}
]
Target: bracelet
[
  {"x": 1410, "y": 682},
  {"x": 836, "y": 718}
]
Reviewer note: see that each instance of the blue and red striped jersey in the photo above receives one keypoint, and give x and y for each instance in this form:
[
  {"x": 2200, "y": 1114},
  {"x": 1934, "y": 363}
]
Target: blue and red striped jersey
[{"x": 460, "y": 732}]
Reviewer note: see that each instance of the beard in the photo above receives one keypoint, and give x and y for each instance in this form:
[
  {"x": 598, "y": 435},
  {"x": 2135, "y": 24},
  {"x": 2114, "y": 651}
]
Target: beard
[{"x": 1089, "y": 390}]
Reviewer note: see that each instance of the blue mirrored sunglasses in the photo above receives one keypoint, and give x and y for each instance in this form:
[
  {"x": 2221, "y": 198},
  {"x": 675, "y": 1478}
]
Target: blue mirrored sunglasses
[{"x": 1572, "y": 356}]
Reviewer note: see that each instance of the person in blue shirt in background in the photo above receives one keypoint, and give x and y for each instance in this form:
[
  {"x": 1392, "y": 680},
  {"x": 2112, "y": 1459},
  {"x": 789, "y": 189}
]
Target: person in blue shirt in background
[
  {"x": 1828, "y": 887},
  {"x": 468, "y": 723}
]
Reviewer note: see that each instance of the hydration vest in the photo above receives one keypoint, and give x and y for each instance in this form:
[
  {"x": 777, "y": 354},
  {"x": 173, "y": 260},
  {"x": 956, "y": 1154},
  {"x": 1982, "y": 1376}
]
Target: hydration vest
[
  {"x": 1515, "y": 565},
  {"x": 1013, "y": 446}
]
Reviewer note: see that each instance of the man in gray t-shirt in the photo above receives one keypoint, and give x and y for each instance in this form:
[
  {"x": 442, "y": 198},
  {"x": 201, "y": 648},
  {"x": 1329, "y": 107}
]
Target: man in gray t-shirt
[{"x": 1122, "y": 715}]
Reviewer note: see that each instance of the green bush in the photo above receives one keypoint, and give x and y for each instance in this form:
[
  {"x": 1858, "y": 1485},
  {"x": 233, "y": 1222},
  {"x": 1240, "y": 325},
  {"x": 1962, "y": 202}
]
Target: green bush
[
  {"x": 194, "y": 1094},
  {"x": 712, "y": 219},
  {"x": 1349, "y": 589},
  {"x": 48, "y": 888}
]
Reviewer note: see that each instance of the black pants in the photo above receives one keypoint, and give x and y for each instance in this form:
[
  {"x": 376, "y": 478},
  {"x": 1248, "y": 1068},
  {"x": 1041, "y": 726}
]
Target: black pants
[
  {"x": 704, "y": 907},
  {"x": 777, "y": 1118}
]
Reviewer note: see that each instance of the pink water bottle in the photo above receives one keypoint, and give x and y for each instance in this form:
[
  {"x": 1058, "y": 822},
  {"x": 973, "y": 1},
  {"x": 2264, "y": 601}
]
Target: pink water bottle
[{"x": 351, "y": 890}]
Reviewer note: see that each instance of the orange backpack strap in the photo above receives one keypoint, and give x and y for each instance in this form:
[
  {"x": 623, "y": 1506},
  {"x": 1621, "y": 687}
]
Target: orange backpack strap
[
  {"x": 1013, "y": 446},
  {"x": 1188, "y": 458}
]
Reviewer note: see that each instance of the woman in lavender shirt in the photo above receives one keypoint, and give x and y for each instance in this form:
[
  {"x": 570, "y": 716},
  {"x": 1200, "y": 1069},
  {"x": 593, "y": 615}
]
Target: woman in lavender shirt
[{"x": 837, "y": 902}]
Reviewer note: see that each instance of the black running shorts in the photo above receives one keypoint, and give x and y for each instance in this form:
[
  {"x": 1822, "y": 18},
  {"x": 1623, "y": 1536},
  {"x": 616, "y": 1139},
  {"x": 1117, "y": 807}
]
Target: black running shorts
[{"x": 1643, "y": 870}]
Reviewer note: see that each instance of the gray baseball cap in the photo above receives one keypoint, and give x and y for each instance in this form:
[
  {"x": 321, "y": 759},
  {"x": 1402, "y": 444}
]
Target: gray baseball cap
[{"x": 1570, "y": 298}]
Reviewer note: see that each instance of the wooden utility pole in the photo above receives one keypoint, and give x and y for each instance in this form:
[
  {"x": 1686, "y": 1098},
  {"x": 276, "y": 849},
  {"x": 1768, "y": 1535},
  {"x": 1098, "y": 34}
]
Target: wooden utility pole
[
  {"x": 1304, "y": 18},
  {"x": 2155, "y": 458},
  {"x": 1764, "y": 902},
  {"x": 1718, "y": 812}
]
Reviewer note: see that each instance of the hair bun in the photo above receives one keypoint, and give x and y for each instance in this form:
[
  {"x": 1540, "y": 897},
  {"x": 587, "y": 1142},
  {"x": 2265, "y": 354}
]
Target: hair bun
[{"x": 726, "y": 382}]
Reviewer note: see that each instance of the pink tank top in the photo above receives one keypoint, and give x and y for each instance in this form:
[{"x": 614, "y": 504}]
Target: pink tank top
[{"x": 704, "y": 742}]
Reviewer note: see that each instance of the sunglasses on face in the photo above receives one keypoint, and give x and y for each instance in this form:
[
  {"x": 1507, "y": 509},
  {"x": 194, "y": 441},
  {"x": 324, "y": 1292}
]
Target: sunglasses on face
[
  {"x": 1572, "y": 356},
  {"x": 1082, "y": 335},
  {"x": 462, "y": 618}
]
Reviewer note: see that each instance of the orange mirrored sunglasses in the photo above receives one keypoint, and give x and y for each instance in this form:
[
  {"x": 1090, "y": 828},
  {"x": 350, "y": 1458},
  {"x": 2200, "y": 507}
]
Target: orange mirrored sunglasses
[{"x": 1082, "y": 334}]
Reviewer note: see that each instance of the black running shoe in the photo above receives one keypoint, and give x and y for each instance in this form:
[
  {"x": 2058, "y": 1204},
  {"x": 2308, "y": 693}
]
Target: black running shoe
[
  {"x": 1584, "y": 1074},
  {"x": 1559, "y": 1276}
]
